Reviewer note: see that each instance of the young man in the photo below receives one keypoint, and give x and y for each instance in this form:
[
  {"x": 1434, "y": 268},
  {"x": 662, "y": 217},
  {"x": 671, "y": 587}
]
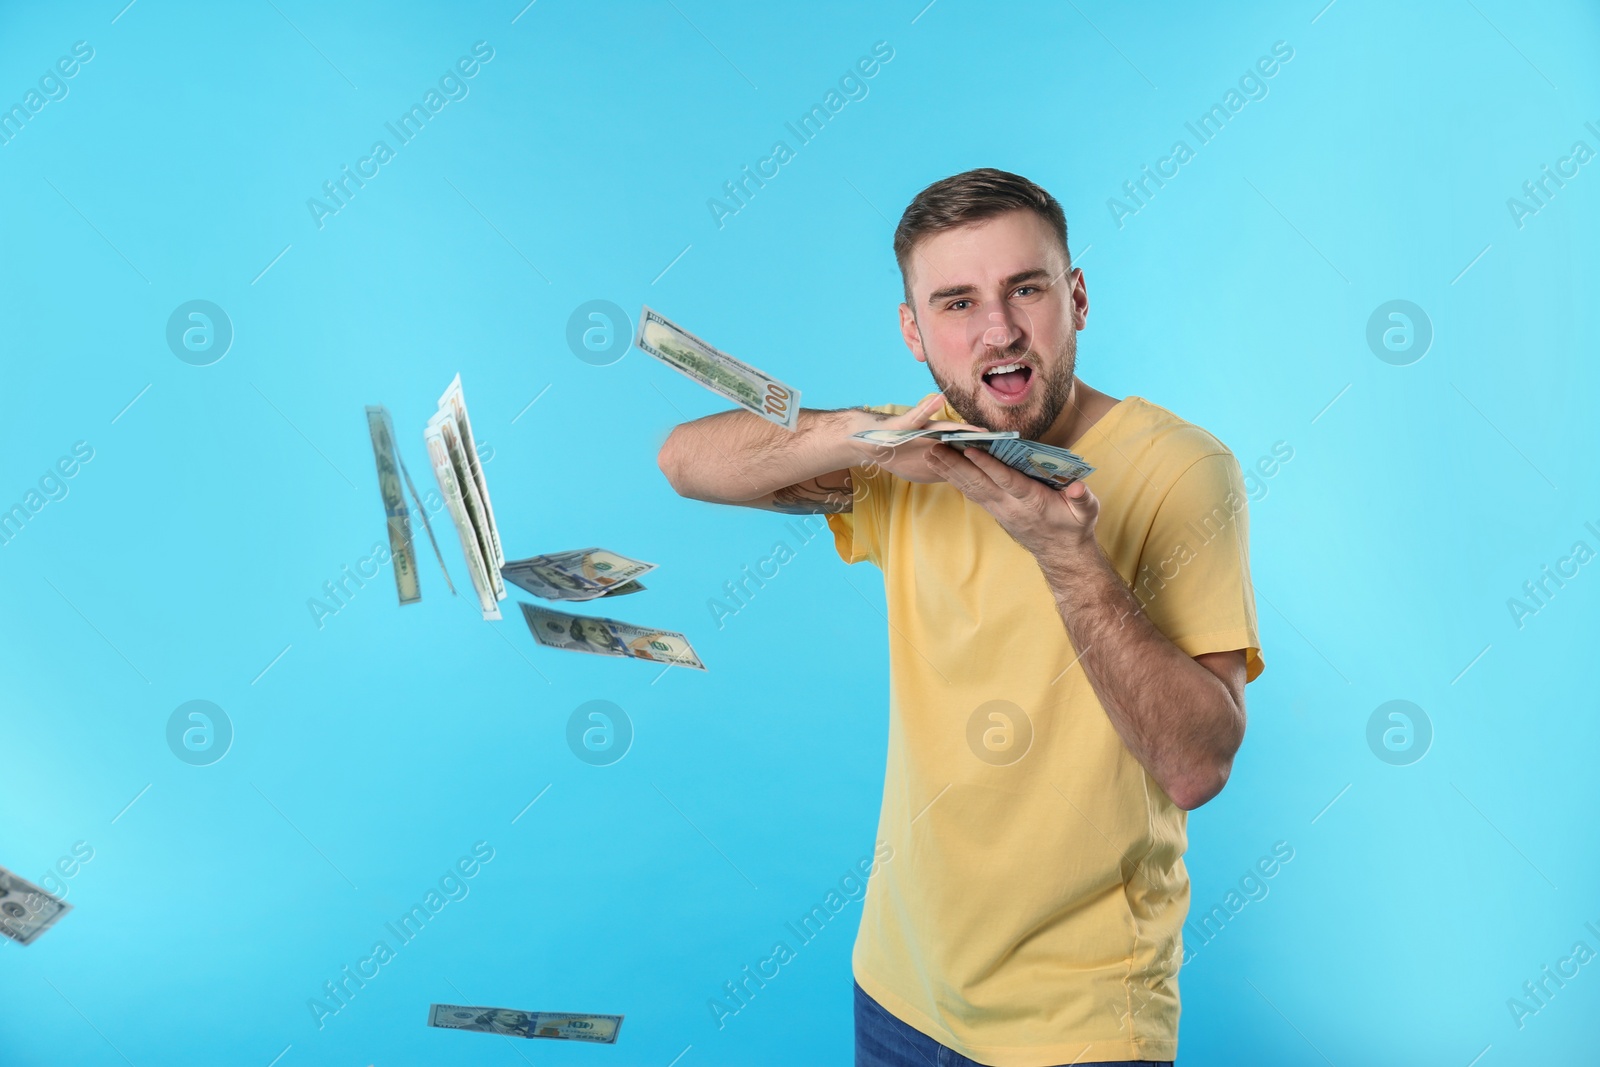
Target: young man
[{"x": 1067, "y": 667}]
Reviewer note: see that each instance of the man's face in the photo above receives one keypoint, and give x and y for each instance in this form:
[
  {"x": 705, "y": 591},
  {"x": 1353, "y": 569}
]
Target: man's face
[{"x": 995, "y": 313}]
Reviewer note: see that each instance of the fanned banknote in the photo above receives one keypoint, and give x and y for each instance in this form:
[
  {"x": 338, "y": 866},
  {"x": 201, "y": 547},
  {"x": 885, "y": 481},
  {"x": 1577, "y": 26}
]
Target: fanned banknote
[
  {"x": 455, "y": 402},
  {"x": 580, "y": 574},
  {"x": 26, "y": 911},
  {"x": 446, "y": 470},
  {"x": 401, "y": 553},
  {"x": 1053, "y": 466},
  {"x": 608, "y": 637},
  {"x": 753, "y": 390},
  {"x": 509, "y": 1022},
  {"x": 477, "y": 510}
]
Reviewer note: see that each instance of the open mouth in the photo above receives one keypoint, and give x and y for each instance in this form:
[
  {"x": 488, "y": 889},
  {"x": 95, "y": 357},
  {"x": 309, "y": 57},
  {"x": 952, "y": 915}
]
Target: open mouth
[{"x": 1008, "y": 382}]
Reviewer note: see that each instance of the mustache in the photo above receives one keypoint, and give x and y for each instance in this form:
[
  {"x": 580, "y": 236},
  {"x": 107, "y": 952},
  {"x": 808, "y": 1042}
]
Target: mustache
[{"x": 1017, "y": 350}]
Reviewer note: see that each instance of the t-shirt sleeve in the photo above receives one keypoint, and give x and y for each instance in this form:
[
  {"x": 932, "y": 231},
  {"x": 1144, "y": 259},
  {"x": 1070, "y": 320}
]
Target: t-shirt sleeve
[
  {"x": 862, "y": 532},
  {"x": 1194, "y": 572}
]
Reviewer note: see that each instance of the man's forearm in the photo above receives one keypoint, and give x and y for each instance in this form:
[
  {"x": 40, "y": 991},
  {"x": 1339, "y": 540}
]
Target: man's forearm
[
  {"x": 735, "y": 456},
  {"x": 1176, "y": 717}
]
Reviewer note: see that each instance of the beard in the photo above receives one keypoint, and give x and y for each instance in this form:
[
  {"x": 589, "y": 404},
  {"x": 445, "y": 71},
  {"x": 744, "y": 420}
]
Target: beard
[{"x": 1044, "y": 406}]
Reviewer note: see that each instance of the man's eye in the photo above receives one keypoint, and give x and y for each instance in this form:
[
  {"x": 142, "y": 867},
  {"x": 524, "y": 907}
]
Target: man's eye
[
  {"x": 1027, "y": 290},
  {"x": 959, "y": 305}
]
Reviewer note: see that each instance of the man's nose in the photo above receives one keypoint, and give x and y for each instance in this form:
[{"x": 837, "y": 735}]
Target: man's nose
[{"x": 1001, "y": 332}]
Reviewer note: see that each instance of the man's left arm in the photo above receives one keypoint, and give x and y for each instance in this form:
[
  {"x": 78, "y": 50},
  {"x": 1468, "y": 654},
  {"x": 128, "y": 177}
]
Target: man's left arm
[{"x": 1181, "y": 716}]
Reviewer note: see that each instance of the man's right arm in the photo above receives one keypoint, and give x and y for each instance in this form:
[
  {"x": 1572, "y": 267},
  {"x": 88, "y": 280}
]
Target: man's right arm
[{"x": 739, "y": 458}]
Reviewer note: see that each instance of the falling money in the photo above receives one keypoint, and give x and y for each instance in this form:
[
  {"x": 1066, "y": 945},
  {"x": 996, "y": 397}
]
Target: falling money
[
  {"x": 608, "y": 637},
  {"x": 741, "y": 383},
  {"x": 581, "y": 574},
  {"x": 509, "y": 1022},
  {"x": 26, "y": 911},
  {"x": 466, "y": 495},
  {"x": 394, "y": 505}
]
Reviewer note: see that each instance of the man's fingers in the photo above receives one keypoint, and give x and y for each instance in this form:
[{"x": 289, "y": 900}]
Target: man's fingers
[
  {"x": 942, "y": 460},
  {"x": 1016, "y": 485},
  {"x": 918, "y": 416},
  {"x": 952, "y": 465}
]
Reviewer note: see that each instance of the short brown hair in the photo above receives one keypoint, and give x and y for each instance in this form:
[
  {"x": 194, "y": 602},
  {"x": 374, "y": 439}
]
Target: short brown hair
[{"x": 969, "y": 197}]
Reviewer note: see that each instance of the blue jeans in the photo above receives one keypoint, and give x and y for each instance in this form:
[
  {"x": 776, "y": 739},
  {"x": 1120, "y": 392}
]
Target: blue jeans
[{"x": 884, "y": 1041}]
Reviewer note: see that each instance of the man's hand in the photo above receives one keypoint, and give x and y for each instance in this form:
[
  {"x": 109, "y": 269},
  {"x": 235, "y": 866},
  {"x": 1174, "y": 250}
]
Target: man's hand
[
  {"x": 1058, "y": 523},
  {"x": 1181, "y": 717},
  {"x": 910, "y": 460}
]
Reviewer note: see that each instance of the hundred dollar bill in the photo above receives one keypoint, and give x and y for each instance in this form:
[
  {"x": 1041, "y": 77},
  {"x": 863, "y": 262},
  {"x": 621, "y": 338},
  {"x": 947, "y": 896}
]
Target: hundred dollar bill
[
  {"x": 581, "y": 574},
  {"x": 450, "y": 487},
  {"x": 566, "y": 1026},
  {"x": 892, "y": 438},
  {"x": 401, "y": 553},
  {"x": 26, "y": 911},
  {"x": 741, "y": 383},
  {"x": 608, "y": 637},
  {"x": 455, "y": 402}
]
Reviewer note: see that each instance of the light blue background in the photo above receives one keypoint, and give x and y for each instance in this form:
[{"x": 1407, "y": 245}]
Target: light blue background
[{"x": 381, "y": 746}]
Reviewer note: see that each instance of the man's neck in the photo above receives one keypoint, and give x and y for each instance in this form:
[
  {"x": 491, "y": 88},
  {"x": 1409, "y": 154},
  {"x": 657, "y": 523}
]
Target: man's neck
[{"x": 1085, "y": 406}]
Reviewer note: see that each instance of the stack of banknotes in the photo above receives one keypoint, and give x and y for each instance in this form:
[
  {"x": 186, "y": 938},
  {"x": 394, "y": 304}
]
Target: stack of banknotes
[
  {"x": 510, "y": 1022},
  {"x": 1049, "y": 464}
]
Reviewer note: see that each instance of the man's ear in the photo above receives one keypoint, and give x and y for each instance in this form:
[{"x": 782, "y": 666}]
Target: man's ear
[
  {"x": 1080, "y": 302},
  {"x": 911, "y": 335}
]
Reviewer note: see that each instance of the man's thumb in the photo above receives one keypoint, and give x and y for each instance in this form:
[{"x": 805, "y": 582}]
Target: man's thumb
[{"x": 1080, "y": 500}]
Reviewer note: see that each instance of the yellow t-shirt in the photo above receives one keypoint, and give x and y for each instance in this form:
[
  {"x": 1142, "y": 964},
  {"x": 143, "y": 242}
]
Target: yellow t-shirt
[{"x": 1032, "y": 911}]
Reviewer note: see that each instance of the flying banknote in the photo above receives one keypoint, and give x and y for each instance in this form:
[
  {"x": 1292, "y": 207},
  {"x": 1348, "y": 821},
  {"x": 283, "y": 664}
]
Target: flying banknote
[
  {"x": 751, "y": 389},
  {"x": 509, "y": 1022},
  {"x": 608, "y": 637},
  {"x": 580, "y": 574},
  {"x": 26, "y": 911}
]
